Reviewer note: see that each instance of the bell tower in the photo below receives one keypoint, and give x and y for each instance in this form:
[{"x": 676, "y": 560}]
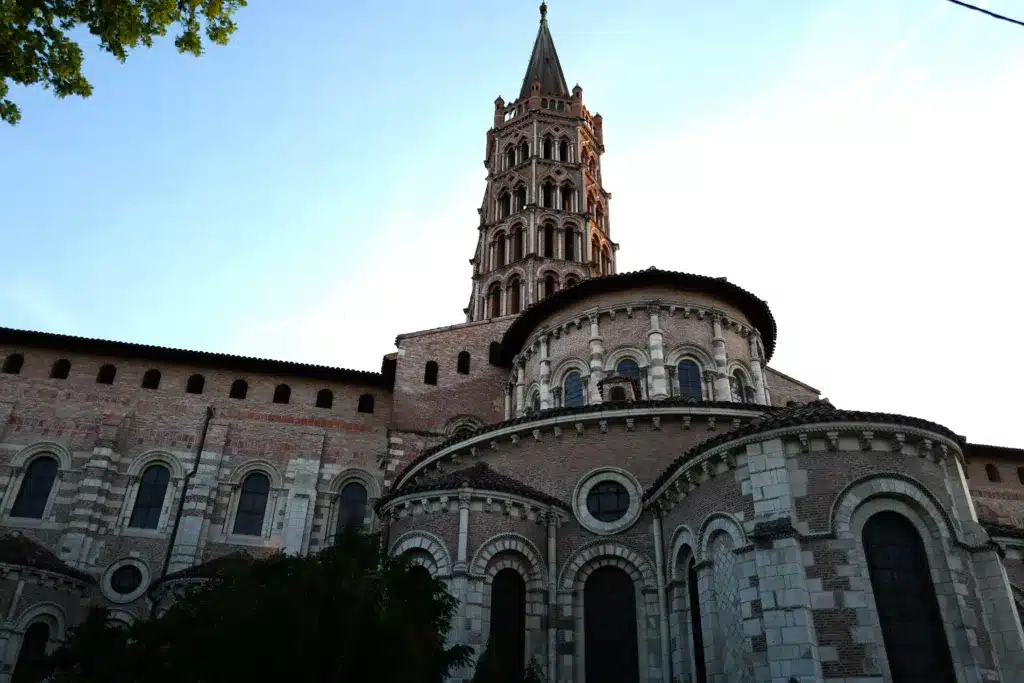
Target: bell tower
[{"x": 544, "y": 222}]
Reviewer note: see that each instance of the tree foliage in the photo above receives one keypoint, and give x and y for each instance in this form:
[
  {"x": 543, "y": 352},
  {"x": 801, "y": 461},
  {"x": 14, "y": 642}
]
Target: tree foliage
[
  {"x": 349, "y": 613},
  {"x": 36, "y": 47}
]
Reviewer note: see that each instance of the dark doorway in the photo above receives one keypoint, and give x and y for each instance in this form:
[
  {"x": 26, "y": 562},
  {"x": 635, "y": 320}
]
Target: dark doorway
[
  {"x": 508, "y": 624},
  {"x": 915, "y": 641},
  {"x": 609, "y": 622}
]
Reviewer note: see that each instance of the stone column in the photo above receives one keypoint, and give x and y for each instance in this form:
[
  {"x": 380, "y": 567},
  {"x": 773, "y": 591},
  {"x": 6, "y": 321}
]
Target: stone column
[
  {"x": 663, "y": 630},
  {"x": 461, "y": 562},
  {"x": 755, "y": 369},
  {"x": 655, "y": 347},
  {"x": 301, "y": 495},
  {"x": 459, "y": 586},
  {"x": 200, "y": 496},
  {"x": 723, "y": 392},
  {"x": 552, "y": 620},
  {"x": 520, "y": 388},
  {"x": 508, "y": 402},
  {"x": 508, "y": 249},
  {"x": 596, "y": 357},
  {"x": 545, "y": 373}
]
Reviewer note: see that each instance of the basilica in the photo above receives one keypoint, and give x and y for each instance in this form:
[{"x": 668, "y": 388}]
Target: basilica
[{"x": 604, "y": 468}]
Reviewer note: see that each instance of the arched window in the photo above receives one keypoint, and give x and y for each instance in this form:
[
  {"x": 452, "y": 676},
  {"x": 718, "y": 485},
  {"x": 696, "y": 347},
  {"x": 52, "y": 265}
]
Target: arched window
[
  {"x": 607, "y": 261},
  {"x": 195, "y": 384},
  {"x": 573, "y": 390},
  {"x": 508, "y": 624},
  {"x": 499, "y": 250},
  {"x": 627, "y": 367},
  {"x": 513, "y": 296},
  {"x": 352, "y": 506},
  {"x": 252, "y": 505},
  {"x": 609, "y": 627},
  {"x": 494, "y": 353},
  {"x": 13, "y": 363},
  {"x": 993, "y": 473},
  {"x": 324, "y": 398},
  {"x": 535, "y": 401},
  {"x": 517, "y": 243},
  {"x": 32, "y": 654},
  {"x": 549, "y": 285},
  {"x": 549, "y": 240},
  {"x": 366, "y": 400},
  {"x": 569, "y": 244},
  {"x": 520, "y": 198},
  {"x": 563, "y": 150},
  {"x": 430, "y": 373},
  {"x": 549, "y": 148},
  {"x": 696, "y": 632},
  {"x": 689, "y": 380},
  {"x": 617, "y": 394},
  {"x": 106, "y": 374},
  {"x": 462, "y": 364},
  {"x": 282, "y": 393},
  {"x": 149, "y": 501},
  {"x": 151, "y": 380},
  {"x": 61, "y": 369},
  {"x": 462, "y": 433},
  {"x": 239, "y": 388},
  {"x": 510, "y": 157},
  {"x": 548, "y": 193},
  {"x": 567, "y": 197},
  {"x": 524, "y": 151},
  {"x": 908, "y": 612},
  {"x": 494, "y": 300},
  {"x": 739, "y": 387},
  {"x": 35, "y": 488},
  {"x": 599, "y": 216},
  {"x": 595, "y": 252},
  {"x": 570, "y": 282}
]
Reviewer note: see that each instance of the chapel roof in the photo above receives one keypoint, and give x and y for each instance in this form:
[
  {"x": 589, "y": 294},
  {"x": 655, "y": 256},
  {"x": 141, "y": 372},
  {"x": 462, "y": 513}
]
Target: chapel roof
[
  {"x": 479, "y": 476},
  {"x": 544, "y": 65},
  {"x": 756, "y": 310},
  {"x": 18, "y": 549}
]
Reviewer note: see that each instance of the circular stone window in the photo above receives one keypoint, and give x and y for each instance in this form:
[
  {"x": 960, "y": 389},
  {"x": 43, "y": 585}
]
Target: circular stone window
[
  {"x": 607, "y": 500},
  {"x": 125, "y": 580}
]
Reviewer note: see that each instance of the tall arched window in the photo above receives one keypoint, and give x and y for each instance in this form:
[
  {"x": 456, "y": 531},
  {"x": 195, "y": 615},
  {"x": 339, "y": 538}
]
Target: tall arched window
[
  {"x": 739, "y": 387},
  {"x": 548, "y": 193},
  {"x": 508, "y": 624},
  {"x": 462, "y": 363},
  {"x": 366, "y": 400},
  {"x": 35, "y": 488},
  {"x": 149, "y": 501},
  {"x": 352, "y": 506},
  {"x": 106, "y": 374},
  {"x": 239, "y": 389},
  {"x": 573, "y": 390},
  {"x": 549, "y": 148},
  {"x": 549, "y": 285},
  {"x": 517, "y": 243},
  {"x": 524, "y": 151},
  {"x": 696, "y": 632},
  {"x": 627, "y": 367},
  {"x": 568, "y": 193},
  {"x": 32, "y": 653},
  {"x": 61, "y": 369},
  {"x": 607, "y": 260},
  {"x": 499, "y": 250},
  {"x": 494, "y": 300},
  {"x": 908, "y": 612},
  {"x": 252, "y": 505},
  {"x": 430, "y": 372},
  {"x": 513, "y": 296},
  {"x": 520, "y": 198},
  {"x": 609, "y": 627},
  {"x": 195, "y": 384},
  {"x": 324, "y": 398},
  {"x": 510, "y": 156},
  {"x": 282, "y": 393},
  {"x": 505, "y": 204},
  {"x": 563, "y": 150},
  {"x": 549, "y": 240},
  {"x": 535, "y": 401},
  {"x": 689, "y": 380},
  {"x": 12, "y": 364},
  {"x": 569, "y": 244},
  {"x": 151, "y": 380},
  {"x": 595, "y": 253},
  {"x": 992, "y": 472}
]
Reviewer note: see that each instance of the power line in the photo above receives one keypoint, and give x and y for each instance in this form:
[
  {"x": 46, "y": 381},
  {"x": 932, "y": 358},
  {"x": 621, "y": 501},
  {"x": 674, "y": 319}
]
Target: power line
[{"x": 985, "y": 11}]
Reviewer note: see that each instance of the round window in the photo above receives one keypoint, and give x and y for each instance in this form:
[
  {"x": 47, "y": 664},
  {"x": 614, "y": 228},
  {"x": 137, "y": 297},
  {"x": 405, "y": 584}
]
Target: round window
[
  {"x": 126, "y": 579},
  {"x": 608, "y": 501}
]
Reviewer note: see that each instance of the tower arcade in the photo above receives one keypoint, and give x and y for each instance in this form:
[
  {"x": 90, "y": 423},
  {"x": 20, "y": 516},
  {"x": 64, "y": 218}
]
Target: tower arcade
[{"x": 544, "y": 222}]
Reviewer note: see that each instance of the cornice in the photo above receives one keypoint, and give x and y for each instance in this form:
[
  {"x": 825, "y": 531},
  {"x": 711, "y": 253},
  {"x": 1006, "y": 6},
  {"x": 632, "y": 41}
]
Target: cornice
[
  {"x": 45, "y": 577},
  {"x": 449, "y": 501}
]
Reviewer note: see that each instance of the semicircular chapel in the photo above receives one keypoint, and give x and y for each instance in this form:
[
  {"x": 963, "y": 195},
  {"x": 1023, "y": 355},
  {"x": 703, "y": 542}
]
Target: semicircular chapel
[{"x": 604, "y": 468}]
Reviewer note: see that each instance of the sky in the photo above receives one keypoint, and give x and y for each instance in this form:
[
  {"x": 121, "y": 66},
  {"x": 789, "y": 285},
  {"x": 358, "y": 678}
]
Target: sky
[{"x": 310, "y": 191}]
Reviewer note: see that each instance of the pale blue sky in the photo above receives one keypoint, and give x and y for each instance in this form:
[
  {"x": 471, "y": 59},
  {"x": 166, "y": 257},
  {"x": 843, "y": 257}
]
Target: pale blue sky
[{"x": 310, "y": 191}]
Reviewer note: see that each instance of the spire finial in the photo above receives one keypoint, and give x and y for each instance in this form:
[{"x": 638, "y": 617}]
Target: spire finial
[{"x": 543, "y": 11}]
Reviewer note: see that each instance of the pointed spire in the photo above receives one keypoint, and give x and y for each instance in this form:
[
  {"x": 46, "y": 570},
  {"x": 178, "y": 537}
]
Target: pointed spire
[{"x": 544, "y": 65}]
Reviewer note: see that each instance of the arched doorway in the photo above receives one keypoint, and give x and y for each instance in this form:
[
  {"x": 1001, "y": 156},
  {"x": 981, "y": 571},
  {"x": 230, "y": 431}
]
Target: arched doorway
[
  {"x": 908, "y": 612},
  {"x": 508, "y": 623},
  {"x": 700, "y": 672},
  {"x": 32, "y": 652},
  {"x": 609, "y": 623}
]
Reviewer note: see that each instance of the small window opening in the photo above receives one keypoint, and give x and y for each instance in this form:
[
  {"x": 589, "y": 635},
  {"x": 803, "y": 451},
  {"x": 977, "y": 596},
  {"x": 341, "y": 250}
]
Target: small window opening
[
  {"x": 462, "y": 365},
  {"x": 430, "y": 373},
  {"x": 151, "y": 380},
  {"x": 106, "y": 374},
  {"x": 195, "y": 384},
  {"x": 239, "y": 389},
  {"x": 324, "y": 398},
  {"x": 282, "y": 393},
  {"x": 617, "y": 394},
  {"x": 13, "y": 363},
  {"x": 494, "y": 353},
  {"x": 366, "y": 403},
  {"x": 993, "y": 473},
  {"x": 61, "y": 369}
]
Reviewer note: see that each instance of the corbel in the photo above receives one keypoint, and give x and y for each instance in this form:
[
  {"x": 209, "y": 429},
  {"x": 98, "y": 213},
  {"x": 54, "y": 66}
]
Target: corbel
[
  {"x": 629, "y": 312},
  {"x": 656, "y": 423},
  {"x": 686, "y": 422},
  {"x": 603, "y": 425},
  {"x": 736, "y": 423},
  {"x": 897, "y": 442},
  {"x": 557, "y": 431},
  {"x": 506, "y": 508},
  {"x": 515, "y": 439},
  {"x": 866, "y": 438},
  {"x": 473, "y": 452},
  {"x": 711, "y": 423},
  {"x": 924, "y": 449},
  {"x": 579, "y": 428},
  {"x": 805, "y": 444},
  {"x": 833, "y": 440},
  {"x": 707, "y": 469},
  {"x": 611, "y": 314},
  {"x": 536, "y": 435},
  {"x": 630, "y": 424}
]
